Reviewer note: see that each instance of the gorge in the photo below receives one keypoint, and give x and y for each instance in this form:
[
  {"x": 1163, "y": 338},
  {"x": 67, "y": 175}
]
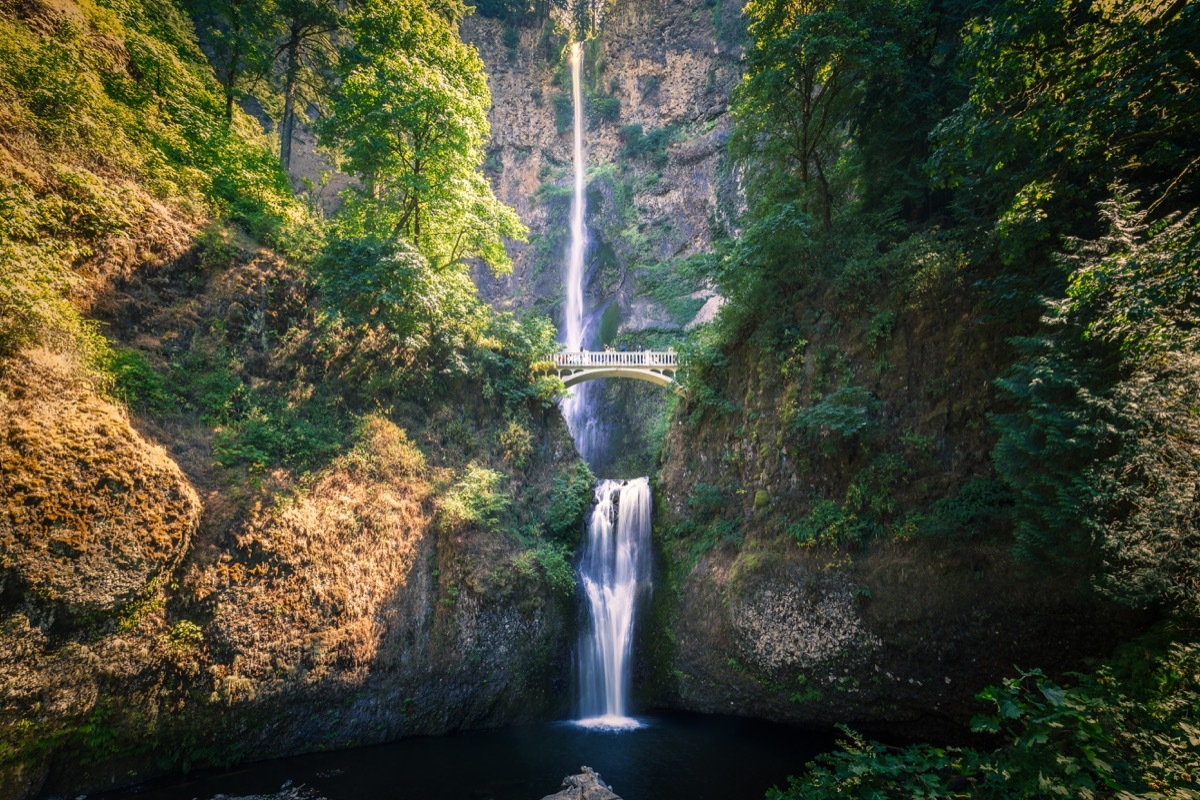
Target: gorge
[{"x": 288, "y": 472}]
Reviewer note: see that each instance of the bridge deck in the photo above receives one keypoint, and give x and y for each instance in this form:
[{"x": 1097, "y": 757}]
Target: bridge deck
[
  {"x": 611, "y": 358},
  {"x": 656, "y": 366}
]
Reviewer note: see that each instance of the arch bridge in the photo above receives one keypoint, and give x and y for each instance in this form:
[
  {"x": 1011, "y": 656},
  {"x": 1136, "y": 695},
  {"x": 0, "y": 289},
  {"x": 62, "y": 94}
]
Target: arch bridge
[{"x": 656, "y": 366}]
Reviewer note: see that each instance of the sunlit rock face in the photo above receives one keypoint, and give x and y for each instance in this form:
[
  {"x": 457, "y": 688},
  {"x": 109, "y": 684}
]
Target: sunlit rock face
[{"x": 92, "y": 512}]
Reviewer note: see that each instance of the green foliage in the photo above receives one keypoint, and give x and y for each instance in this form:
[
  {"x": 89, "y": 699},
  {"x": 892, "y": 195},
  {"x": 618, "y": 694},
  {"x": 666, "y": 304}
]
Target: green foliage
[
  {"x": 1103, "y": 450},
  {"x": 255, "y": 426},
  {"x": 272, "y": 433},
  {"x": 1094, "y": 739},
  {"x": 829, "y": 523},
  {"x": 1064, "y": 100},
  {"x": 513, "y": 359},
  {"x": 806, "y": 75},
  {"x": 409, "y": 117},
  {"x": 638, "y": 143},
  {"x": 702, "y": 360},
  {"x": 390, "y": 307},
  {"x": 374, "y": 282},
  {"x": 518, "y": 12},
  {"x": 138, "y": 385},
  {"x": 241, "y": 37},
  {"x": 881, "y": 328},
  {"x": 570, "y": 498},
  {"x": 159, "y": 121},
  {"x": 980, "y": 506},
  {"x": 604, "y": 109},
  {"x": 845, "y": 412},
  {"x": 185, "y": 635},
  {"x": 564, "y": 112},
  {"x": 707, "y": 500},
  {"x": 476, "y": 499},
  {"x": 555, "y": 560},
  {"x": 867, "y": 510}
]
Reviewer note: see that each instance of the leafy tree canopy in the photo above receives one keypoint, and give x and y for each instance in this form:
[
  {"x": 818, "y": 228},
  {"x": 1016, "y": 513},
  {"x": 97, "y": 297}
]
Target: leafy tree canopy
[{"x": 409, "y": 118}]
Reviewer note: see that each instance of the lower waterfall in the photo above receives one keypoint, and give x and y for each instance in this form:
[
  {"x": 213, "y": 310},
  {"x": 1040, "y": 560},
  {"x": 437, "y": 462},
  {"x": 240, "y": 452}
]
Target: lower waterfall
[{"x": 614, "y": 572}]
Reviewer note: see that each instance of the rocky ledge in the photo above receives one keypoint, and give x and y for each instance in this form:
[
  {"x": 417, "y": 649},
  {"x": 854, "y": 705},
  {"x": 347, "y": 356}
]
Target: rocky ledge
[{"x": 584, "y": 786}]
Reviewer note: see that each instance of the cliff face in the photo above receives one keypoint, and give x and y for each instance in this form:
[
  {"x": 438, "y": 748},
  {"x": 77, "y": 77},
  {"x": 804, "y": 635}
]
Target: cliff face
[
  {"x": 160, "y": 609},
  {"x": 657, "y": 80},
  {"x": 833, "y": 541}
]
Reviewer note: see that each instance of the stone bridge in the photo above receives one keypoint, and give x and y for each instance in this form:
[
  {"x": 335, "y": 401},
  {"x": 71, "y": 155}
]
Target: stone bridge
[{"x": 656, "y": 366}]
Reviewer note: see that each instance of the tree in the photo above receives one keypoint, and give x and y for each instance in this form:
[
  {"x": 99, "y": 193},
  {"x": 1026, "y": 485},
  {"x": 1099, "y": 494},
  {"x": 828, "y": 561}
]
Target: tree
[
  {"x": 1105, "y": 448},
  {"x": 305, "y": 49},
  {"x": 805, "y": 76},
  {"x": 409, "y": 118},
  {"x": 1067, "y": 98},
  {"x": 239, "y": 35}
]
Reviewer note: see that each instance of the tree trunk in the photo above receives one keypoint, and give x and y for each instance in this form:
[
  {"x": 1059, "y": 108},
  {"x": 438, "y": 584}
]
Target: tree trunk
[
  {"x": 826, "y": 199},
  {"x": 288, "y": 123}
]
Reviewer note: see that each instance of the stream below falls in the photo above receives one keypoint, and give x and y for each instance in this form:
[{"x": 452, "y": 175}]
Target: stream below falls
[{"x": 690, "y": 756}]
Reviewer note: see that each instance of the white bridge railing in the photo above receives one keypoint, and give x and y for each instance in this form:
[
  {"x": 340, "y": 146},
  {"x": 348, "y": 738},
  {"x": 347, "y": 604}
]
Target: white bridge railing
[{"x": 611, "y": 358}]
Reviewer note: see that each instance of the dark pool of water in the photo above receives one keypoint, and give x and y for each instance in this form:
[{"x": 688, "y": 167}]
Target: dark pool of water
[{"x": 672, "y": 756}]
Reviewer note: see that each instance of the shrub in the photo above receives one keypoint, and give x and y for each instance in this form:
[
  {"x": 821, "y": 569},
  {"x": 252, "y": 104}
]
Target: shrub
[
  {"x": 980, "y": 506},
  {"x": 185, "y": 635},
  {"x": 475, "y": 500},
  {"x": 138, "y": 385},
  {"x": 570, "y": 498},
  {"x": 829, "y": 523},
  {"x": 638, "y": 143},
  {"x": 604, "y": 109},
  {"x": 1094, "y": 739},
  {"x": 844, "y": 412}
]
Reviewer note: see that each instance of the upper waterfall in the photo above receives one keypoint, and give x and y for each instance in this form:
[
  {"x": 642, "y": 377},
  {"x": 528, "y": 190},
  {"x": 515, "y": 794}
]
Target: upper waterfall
[{"x": 574, "y": 283}]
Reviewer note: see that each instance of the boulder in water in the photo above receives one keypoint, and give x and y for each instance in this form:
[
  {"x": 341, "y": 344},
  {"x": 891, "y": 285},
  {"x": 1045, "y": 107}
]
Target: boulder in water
[{"x": 584, "y": 786}]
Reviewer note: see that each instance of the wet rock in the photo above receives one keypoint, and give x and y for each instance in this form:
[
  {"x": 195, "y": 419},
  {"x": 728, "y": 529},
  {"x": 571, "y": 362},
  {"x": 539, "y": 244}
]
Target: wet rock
[
  {"x": 587, "y": 785},
  {"x": 292, "y": 793}
]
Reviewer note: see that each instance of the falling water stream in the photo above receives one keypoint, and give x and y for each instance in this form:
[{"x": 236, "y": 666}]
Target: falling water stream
[
  {"x": 615, "y": 572},
  {"x": 577, "y": 408},
  {"x": 615, "y": 569}
]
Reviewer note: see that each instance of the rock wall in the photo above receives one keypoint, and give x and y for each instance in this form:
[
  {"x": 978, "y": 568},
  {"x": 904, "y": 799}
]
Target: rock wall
[
  {"x": 813, "y": 577},
  {"x": 666, "y": 65},
  {"x": 656, "y": 81}
]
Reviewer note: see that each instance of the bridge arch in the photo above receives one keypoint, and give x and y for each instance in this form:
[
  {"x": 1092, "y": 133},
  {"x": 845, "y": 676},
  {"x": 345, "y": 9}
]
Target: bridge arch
[{"x": 653, "y": 366}]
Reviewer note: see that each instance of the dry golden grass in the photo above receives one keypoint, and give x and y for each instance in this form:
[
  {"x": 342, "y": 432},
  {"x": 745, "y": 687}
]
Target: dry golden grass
[
  {"x": 306, "y": 586},
  {"x": 92, "y": 512}
]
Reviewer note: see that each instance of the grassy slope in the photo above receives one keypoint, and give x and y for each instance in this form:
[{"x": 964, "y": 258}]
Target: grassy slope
[{"x": 351, "y": 541}]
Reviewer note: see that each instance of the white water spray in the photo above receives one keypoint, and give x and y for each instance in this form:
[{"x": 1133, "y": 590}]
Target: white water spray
[{"x": 615, "y": 572}]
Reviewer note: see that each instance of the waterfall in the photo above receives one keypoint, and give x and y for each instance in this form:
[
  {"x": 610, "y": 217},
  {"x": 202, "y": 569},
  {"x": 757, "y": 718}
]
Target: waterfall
[
  {"x": 574, "y": 313},
  {"x": 615, "y": 570},
  {"x": 577, "y": 408}
]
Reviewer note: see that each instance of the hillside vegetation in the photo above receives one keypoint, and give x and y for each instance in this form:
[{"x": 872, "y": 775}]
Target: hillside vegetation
[
  {"x": 971, "y": 231},
  {"x": 253, "y": 458}
]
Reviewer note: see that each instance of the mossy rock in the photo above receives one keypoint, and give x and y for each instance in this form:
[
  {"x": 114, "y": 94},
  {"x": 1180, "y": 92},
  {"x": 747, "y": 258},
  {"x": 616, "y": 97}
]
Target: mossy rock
[{"x": 92, "y": 512}]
